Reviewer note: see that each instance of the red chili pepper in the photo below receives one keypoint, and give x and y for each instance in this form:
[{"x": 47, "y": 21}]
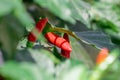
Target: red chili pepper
[
  {"x": 102, "y": 55},
  {"x": 64, "y": 53},
  {"x": 33, "y": 35},
  {"x": 41, "y": 24},
  {"x": 58, "y": 41}
]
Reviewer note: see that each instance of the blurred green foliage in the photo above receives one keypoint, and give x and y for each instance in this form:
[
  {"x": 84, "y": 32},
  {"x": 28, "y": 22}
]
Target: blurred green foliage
[{"x": 92, "y": 24}]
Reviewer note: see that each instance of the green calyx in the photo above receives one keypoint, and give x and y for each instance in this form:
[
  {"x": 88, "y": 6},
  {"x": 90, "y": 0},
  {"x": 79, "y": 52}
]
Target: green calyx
[{"x": 30, "y": 44}]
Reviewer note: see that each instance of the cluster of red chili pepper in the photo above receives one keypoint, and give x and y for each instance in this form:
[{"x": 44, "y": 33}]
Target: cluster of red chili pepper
[{"x": 61, "y": 42}]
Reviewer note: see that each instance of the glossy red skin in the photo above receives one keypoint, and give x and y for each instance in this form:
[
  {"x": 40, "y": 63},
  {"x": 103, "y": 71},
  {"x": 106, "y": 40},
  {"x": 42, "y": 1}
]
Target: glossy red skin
[
  {"x": 39, "y": 26},
  {"x": 31, "y": 37},
  {"x": 64, "y": 53},
  {"x": 58, "y": 41},
  {"x": 104, "y": 52}
]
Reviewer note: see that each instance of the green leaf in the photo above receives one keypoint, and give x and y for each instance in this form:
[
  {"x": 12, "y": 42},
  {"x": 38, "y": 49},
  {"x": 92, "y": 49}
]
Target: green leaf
[
  {"x": 71, "y": 69},
  {"x": 36, "y": 54},
  {"x": 18, "y": 9},
  {"x": 113, "y": 72},
  {"x": 5, "y": 7},
  {"x": 23, "y": 71},
  {"x": 97, "y": 38},
  {"x": 22, "y": 43},
  {"x": 24, "y": 56},
  {"x": 79, "y": 11},
  {"x": 11, "y": 31},
  {"x": 21, "y": 13},
  {"x": 58, "y": 8},
  {"x": 67, "y": 10},
  {"x": 40, "y": 56},
  {"x": 44, "y": 59},
  {"x": 77, "y": 73},
  {"x": 80, "y": 53},
  {"x": 105, "y": 15}
]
